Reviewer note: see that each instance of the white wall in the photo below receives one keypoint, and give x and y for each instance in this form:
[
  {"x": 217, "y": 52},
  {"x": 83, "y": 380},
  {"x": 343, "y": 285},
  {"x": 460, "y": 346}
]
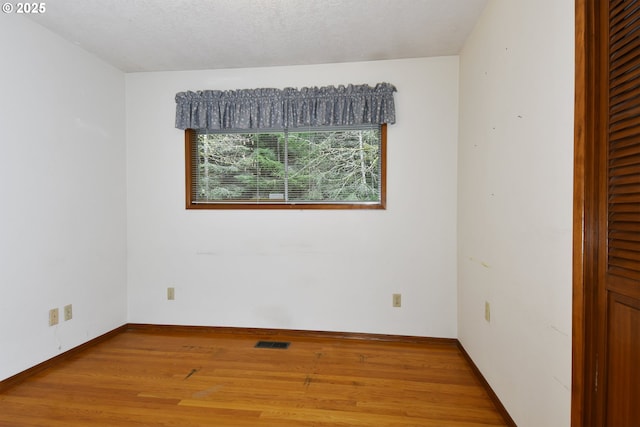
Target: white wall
[
  {"x": 515, "y": 204},
  {"x": 313, "y": 270},
  {"x": 62, "y": 185}
]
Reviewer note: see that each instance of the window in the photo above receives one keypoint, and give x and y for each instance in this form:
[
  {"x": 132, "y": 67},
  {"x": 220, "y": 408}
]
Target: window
[
  {"x": 308, "y": 148},
  {"x": 304, "y": 168}
]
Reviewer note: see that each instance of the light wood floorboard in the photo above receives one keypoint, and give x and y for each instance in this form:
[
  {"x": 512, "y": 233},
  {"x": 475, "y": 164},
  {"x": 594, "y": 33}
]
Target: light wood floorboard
[{"x": 182, "y": 379}]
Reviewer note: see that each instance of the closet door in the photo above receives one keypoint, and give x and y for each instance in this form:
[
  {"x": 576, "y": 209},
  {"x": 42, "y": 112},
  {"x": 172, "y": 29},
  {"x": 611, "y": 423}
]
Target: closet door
[
  {"x": 620, "y": 245},
  {"x": 606, "y": 273},
  {"x": 618, "y": 377}
]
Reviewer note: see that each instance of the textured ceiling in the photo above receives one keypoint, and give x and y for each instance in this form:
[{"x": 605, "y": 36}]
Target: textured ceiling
[{"x": 160, "y": 35}]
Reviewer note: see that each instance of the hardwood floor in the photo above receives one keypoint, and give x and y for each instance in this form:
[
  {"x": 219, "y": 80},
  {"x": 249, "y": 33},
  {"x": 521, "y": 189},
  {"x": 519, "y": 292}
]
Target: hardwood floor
[{"x": 187, "y": 378}]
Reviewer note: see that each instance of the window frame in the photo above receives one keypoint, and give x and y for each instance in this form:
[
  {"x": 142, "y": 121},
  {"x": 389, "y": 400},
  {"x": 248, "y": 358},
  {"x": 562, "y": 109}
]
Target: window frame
[{"x": 190, "y": 139}]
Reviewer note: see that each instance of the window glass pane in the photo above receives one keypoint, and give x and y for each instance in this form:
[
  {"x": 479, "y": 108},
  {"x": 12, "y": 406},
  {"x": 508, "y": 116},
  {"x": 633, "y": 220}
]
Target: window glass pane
[
  {"x": 239, "y": 167},
  {"x": 306, "y": 166},
  {"x": 336, "y": 166}
]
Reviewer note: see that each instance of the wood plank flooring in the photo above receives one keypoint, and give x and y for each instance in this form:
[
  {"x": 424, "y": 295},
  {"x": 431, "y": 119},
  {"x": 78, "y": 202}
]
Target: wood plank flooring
[{"x": 180, "y": 378}]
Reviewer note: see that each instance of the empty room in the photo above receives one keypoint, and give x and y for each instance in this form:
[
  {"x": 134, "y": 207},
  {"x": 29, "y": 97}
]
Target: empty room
[{"x": 292, "y": 213}]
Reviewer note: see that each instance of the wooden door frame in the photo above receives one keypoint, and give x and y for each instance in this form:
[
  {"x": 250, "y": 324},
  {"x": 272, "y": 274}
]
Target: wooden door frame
[
  {"x": 582, "y": 276},
  {"x": 588, "y": 302}
]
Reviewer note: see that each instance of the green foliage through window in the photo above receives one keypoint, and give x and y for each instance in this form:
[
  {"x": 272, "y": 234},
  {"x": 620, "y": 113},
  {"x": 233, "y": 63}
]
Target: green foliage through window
[{"x": 314, "y": 166}]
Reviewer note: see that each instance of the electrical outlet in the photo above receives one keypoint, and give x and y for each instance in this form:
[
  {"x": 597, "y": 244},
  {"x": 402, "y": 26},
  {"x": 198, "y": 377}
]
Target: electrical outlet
[
  {"x": 487, "y": 311},
  {"x": 68, "y": 312},
  {"x": 53, "y": 316},
  {"x": 171, "y": 293},
  {"x": 397, "y": 300}
]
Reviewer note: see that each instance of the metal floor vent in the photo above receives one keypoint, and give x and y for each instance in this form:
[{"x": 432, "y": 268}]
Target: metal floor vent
[{"x": 273, "y": 344}]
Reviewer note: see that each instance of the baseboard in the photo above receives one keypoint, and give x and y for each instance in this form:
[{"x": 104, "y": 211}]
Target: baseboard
[
  {"x": 492, "y": 395},
  {"x": 21, "y": 376},
  {"x": 264, "y": 333}
]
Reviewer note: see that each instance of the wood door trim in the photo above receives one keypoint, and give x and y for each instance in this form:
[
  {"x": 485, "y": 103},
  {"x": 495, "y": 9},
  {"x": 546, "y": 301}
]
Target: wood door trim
[
  {"x": 578, "y": 320},
  {"x": 589, "y": 217},
  {"x": 584, "y": 245}
]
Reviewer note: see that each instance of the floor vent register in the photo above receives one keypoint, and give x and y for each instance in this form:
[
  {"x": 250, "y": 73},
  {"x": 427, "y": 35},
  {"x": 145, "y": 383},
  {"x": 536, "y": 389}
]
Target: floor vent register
[{"x": 281, "y": 345}]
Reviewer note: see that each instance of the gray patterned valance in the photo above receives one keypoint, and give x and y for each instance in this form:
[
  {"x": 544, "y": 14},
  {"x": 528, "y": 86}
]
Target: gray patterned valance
[{"x": 286, "y": 108}]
